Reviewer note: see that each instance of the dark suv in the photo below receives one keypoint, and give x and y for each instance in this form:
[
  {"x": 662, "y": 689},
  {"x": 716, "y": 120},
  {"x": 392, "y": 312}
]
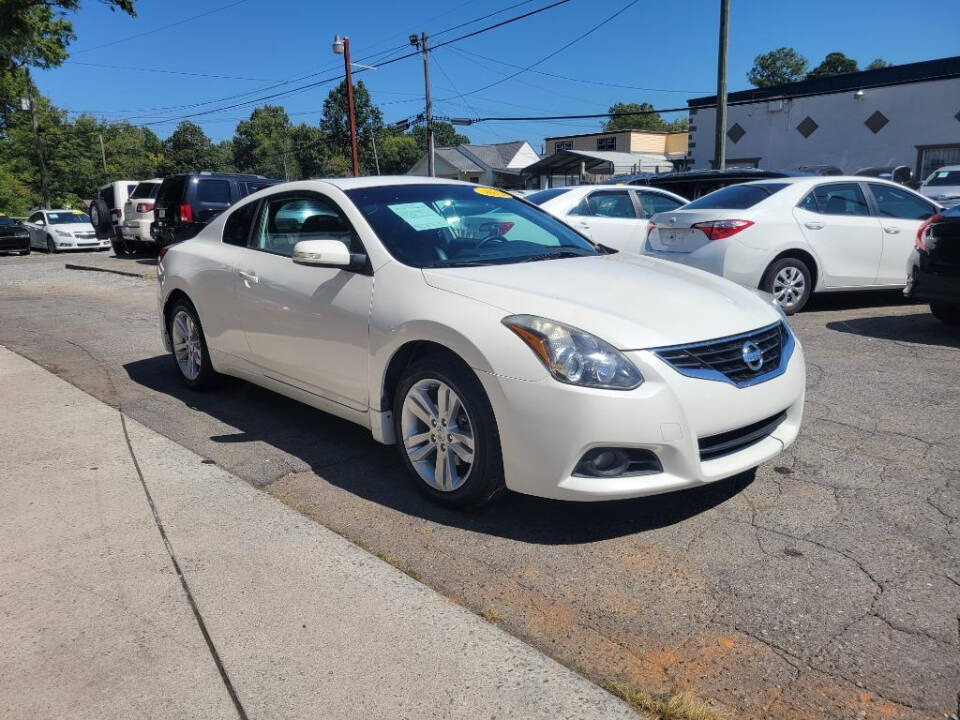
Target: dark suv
[{"x": 187, "y": 202}]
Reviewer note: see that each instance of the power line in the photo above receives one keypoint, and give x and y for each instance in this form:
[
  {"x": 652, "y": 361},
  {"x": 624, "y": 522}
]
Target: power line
[{"x": 168, "y": 72}]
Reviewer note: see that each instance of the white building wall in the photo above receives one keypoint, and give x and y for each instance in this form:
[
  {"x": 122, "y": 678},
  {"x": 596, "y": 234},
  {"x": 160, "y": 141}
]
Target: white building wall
[{"x": 919, "y": 114}]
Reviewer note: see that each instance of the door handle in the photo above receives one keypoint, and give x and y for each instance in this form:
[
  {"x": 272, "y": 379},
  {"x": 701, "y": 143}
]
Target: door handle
[
  {"x": 250, "y": 276},
  {"x": 813, "y": 226},
  {"x": 891, "y": 230}
]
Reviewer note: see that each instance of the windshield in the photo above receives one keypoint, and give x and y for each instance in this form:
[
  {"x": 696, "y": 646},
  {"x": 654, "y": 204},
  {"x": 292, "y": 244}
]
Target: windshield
[
  {"x": 457, "y": 225},
  {"x": 735, "y": 197},
  {"x": 944, "y": 177},
  {"x": 7, "y": 221},
  {"x": 539, "y": 198},
  {"x": 62, "y": 218}
]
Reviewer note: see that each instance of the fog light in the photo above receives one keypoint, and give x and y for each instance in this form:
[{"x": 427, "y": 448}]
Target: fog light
[{"x": 616, "y": 462}]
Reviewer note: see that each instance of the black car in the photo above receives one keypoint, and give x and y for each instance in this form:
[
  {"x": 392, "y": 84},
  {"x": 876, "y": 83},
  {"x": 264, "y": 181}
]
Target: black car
[
  {"x": 695, "y": 183},
  {"x": 14, "y": 237},
  {"x": 936, "y": 272},
  {"x": 186, "y": 202}
]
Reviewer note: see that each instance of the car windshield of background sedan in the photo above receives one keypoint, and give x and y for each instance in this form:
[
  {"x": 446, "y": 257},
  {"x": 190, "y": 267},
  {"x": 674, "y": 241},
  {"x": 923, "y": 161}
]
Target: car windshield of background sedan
[
  {"x": 944, "y": 177},
  {"x": 8, "y": 221},
  {"x": 457, "y": 225},
  {"x": 735, "y": 197},
  {"x": 62, "y": 218}
]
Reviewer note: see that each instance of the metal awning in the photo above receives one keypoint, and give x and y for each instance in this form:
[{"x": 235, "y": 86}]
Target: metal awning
[{"x": 569, "y": 162}]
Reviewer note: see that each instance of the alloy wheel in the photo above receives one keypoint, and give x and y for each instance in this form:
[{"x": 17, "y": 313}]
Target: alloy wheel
[
  {"x": 789, "y": 286},
  {"x": 186, "y": 344},
  {"x": 438, "y": 434}
]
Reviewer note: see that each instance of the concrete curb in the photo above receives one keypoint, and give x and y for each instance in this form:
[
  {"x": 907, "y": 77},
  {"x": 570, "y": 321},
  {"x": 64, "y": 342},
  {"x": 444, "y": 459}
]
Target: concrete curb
[{"x": 125, "y": 273}]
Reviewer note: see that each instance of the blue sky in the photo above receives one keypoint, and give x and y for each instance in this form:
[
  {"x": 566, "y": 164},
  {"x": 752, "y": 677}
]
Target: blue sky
[{"x": 665, "y": 51}]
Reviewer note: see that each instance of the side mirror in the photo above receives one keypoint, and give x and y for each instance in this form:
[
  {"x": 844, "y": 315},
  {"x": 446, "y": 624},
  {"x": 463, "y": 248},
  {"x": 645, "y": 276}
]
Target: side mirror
[{"x": 326, "y": 253}]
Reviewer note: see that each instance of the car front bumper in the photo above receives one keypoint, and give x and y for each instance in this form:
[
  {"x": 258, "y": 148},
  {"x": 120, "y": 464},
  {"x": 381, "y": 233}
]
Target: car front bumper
[
  {"x": 546, "y": 427},
  {"x": 14, "y": 242},
  {"x": 79, "y": 243}
]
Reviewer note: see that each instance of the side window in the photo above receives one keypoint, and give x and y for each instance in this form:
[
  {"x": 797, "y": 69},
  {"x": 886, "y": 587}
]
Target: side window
[
  {"x": 213, "y": 191},
  {"x": 615, "y": 204},
  {"x": 36, "y": 218},
  {"x": 288, "y": 219},
  {"x": 236, "y": 230},
  {"x": 836, "y": 199},
  {"x": 653, "y": 203},
  {"x": 896, "y": 203}
]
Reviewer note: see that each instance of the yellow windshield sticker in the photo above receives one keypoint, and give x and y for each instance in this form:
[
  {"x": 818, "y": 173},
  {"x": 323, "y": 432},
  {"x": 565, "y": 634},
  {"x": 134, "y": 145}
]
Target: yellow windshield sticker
[{"x": 491, "y": 192}]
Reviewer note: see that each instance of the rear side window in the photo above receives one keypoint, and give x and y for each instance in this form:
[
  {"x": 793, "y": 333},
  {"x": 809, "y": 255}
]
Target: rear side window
[
  {"x": 171, "y": 190},
  {"x": 131, "y": 188},
  {"x": 896, "y": 203},
  {"x": 213, "y": 191},
  {"x": 145, "y": 190},
  {"x": 236, "y": 231},
  {"x": 735, "y": 197},
  {"x": 652, "y": 203},
  {"x": 836, "y": 199},
  {"x": 615, "y": 204},
  {"x": 539, "y": 198},
  {"x": 249, "y": 188}
]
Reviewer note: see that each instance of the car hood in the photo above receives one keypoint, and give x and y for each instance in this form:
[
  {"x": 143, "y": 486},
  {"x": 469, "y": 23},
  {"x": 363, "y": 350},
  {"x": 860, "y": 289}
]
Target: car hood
[
  {"x": 631, "y": 301},
  {"x": 73, "y": 227}
]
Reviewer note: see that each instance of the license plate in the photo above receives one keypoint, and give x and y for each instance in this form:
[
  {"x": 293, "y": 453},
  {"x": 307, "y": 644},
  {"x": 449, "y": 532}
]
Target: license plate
[
  {"x": 161, "y": 212},
  {"x": 670, "y": 238}
]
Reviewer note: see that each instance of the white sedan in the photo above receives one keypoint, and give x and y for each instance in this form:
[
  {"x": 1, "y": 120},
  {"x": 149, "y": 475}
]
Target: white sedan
[
  {"x": 64, "y": 229},
  {"x": 495, "y": 346},
  {"x": 613, "y": 215},
  {"x": 795, "y": 236}
]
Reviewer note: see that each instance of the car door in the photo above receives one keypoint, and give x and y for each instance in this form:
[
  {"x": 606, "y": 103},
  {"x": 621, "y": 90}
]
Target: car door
[
  {"x": 901, "y": 214},
  {"x": 36, "y": 226},
  {"x": 305, "y": 326},
  {"x": 836, "y": 220},
  {"x": 609, "y": 217}
]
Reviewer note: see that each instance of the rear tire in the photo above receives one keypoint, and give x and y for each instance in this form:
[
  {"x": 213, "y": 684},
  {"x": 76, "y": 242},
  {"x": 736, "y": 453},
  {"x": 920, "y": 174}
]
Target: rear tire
[
  {"x": 790, "y": 281},
  {"x": 464, "y": 428},
  {"x": 100, "y": 219},
  {"x": 946, "y": 313},
  {"x": 190, "y": 355}
]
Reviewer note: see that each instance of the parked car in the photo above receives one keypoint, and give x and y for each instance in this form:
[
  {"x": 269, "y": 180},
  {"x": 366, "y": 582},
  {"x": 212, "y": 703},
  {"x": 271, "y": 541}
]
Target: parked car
[
  {"x": 14, "y": 237},
  {"x": 185, "y": 203},
  {"x": 63, "y": 229},
  {"x": 137, "y": 217},
  {"x": 933, "y": 271},
  {"x": 614, "y": 216},
  {"x": 114, "y": 195},
  {"x": 901, "y": 174},
  {"x": 795, "y": 236},
  {"x": 696, "y": 183},
  {"x": 499, "y": 349},
  {"x": 943, "y": 186}
]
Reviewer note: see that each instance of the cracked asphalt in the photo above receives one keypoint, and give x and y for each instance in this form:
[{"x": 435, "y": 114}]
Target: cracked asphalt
[{"x": 826, "y": 585}]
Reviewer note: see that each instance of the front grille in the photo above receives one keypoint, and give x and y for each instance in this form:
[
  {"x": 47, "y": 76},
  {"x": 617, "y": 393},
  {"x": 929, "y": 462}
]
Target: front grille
[
  {"x": 726, "y": 359},
  {"x": 725, "y": 443},
  {"x": 85, "y": 234}
]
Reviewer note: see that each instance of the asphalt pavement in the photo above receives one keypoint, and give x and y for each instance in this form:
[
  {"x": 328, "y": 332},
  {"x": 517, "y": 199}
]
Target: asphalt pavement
[{"x": 825, "y": 585}]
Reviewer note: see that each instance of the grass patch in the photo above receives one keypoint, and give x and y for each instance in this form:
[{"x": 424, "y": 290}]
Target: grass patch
[
  {"x": 490, "y": 615},
  {"x": 675, "y": 706}
]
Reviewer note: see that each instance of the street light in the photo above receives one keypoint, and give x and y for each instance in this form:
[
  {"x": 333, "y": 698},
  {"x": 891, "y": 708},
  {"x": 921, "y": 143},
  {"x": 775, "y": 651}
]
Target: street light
[{"x": 341, "y": 46}]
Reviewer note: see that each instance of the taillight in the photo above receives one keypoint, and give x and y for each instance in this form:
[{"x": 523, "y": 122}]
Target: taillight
[
  {"x": 144, "y": 207},
  {"x": 651, "y": 226},
  {"x": 186, "y": 213},
  {"x": 918, "y": 241},
  {"x": 720, "y": 229},
  {"x": 116, "y": 212}
]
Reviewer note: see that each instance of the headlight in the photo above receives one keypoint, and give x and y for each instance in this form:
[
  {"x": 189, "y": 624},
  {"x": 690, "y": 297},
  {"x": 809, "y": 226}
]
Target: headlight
[
  {"x": 62, "y": 233},
  {"x": 769, "y": 298},
  {"x": 573, "y": 356}
]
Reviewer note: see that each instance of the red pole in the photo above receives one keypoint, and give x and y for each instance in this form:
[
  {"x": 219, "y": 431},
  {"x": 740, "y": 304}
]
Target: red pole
[{"x": 353, "y": 122}]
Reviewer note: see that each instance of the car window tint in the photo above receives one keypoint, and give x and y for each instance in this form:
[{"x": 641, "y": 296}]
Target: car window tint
[
  {"x": 897, "y": 203},
  {"x": 539, "y": 198},
  {"x": 652, "y": 203},
  {"x": 236, "y": 230},
  {"x": 734, "y": 197},
  {"x": 144, "y": 190},
  {"x": 35, "y": 218},
  {"x": 944, "y": 177},
  {"x": 107, "y": 196},
  {"x": 287, "y": 220},
  {"x": 171, "y": 190},
  {"x": 131, "y": 187},
  {"x": 606, "y": 204},
  {"x": 836, "y": 199},
  {"x": 213, "y": 191}
]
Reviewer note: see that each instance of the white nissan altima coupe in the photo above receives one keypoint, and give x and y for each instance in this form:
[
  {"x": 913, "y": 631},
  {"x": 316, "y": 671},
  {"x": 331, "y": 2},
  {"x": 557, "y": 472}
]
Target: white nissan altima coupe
[
  {"x": 795, "y": 236},
  {"x": 492, "y": 343}
]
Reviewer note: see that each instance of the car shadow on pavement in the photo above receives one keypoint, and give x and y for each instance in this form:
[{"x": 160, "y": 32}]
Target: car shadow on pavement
[
  {"x": 921, "y": 328},
  {"x": 853, "y": 299},
  {"x": 346, "y": 456}
]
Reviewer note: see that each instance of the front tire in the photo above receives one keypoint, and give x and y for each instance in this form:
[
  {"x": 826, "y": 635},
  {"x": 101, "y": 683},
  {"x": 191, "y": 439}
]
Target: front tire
[
  {"x": 790, "y": 281},
  {"x": 447, "y": 434},
  {"x": 51, "y": 246},
  {"x": 946, "y": 313},
  {"x": 25, "y": 252},
  {"x": 190, "y": 355}
]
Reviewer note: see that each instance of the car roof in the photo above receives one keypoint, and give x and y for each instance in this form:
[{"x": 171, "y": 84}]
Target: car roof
[
  {"x": 947, "y": 167},
  {"x": 821, "y": 179},
  {"x": 66, "y": 210},
  {"x": 351, "y": 183}
]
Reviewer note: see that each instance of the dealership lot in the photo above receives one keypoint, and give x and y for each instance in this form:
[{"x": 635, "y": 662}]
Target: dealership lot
[{"x": 824, "y": 586}]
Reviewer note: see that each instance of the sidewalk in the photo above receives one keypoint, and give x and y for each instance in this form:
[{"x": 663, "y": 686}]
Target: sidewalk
[{"x": 95, "y": 622}]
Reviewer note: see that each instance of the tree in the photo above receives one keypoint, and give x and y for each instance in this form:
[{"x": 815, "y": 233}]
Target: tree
[
  {"x": 335, "y": 123},
  {"x": 878, "y": 64},
  {"x": 398, "y": 153},
  {"x": 644, "y": 119},
  {"x": 188, "y": 149},
  {"x": 263, "y": 144},
  {"x": 835, "y": 63},
  {"x": 310, "y": 150},
  {"x": 777, "y": 67},
  {"x": 444, "y": 135},
  {"x": 36, "y": 33}
]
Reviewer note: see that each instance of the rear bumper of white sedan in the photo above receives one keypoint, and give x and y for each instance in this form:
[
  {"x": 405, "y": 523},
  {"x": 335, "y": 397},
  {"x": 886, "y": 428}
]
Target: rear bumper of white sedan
[{"x": 699, "y": 430}]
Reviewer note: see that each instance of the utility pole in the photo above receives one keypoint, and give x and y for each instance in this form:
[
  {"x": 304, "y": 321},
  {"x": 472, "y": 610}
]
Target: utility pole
[
  {"x": 376, "y": 158},
  {"x": 103, "y": 157},
  {"x": 421, "y": 43},
  {"x": 720, "y": 141},
  {"x": 341, "y": 46},
  {"x": 31, "y": 100}
]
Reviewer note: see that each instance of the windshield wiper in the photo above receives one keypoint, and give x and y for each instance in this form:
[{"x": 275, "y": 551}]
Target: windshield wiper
[{"x": 555, "y": 256}]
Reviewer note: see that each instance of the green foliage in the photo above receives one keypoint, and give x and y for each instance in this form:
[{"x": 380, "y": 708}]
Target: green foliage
[
  {"x": 444, "y": 135},
  {"x": 263, "y": 144},
  {"x": 644, "y": 121},
  {"x": 335, "y": 124},
  {"x": 836, "y": 63},
  {"x": 310, "y": 150},
  {"x": 398, "y": 153},
  {"x": 188, "y": 149},
  {"x": 777, "y": 67},
  {"x": 36, "y": 33},
  {"x": 877, "y": 64}
]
